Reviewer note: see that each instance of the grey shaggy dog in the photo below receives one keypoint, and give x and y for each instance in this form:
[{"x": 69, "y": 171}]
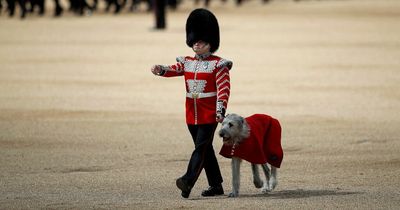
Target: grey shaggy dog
[{"x": 234, "y": 130}]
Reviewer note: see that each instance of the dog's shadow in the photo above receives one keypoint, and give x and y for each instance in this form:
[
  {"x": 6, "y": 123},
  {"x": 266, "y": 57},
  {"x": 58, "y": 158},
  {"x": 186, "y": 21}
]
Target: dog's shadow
[
  {"x": 300, "y": 193},
  {"x": 295, "y": 194}
]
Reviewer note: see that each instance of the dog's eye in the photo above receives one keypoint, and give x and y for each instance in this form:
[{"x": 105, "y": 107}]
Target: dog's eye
[{"x": 230, "y": 125}]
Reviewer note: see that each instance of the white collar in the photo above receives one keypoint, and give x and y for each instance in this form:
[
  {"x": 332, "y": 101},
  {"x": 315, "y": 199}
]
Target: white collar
[{"x": 203, "y": 56}]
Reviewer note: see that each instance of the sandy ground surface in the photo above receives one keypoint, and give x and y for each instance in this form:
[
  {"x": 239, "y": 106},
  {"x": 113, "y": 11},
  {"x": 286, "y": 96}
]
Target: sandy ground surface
[{"x": 84, "y": 124}]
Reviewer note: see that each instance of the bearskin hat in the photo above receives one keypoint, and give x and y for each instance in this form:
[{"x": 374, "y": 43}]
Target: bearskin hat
[{"x": 202, "y": 25}]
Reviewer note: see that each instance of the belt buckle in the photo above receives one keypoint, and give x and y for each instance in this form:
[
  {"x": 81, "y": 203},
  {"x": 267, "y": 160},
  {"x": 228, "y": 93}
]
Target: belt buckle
[{"x": 195, "y": 95}]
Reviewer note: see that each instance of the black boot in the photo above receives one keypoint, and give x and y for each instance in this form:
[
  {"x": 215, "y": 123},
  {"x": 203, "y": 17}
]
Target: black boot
[
  {"x": 213, "y": 191},
  {"x": 184, "y": 186}
]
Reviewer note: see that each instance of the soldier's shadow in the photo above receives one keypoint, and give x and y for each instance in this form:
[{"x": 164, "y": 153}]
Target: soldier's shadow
[{"x": 292, "y": 194}]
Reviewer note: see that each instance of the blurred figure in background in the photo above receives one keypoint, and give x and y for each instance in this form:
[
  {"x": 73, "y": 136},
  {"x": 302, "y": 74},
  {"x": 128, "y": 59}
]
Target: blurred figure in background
[
  {"x": 80, "y": 7},
  {"x": 58, "y": 9},
  {"x": 160, "y": 8},
  {"x": 11, "y": 8},
  {"x": 116, "y": 4},
  {"x": 40, "y": 4},
  {"x": 160, "y": 14},
  {"x": 135, "y": 4}
]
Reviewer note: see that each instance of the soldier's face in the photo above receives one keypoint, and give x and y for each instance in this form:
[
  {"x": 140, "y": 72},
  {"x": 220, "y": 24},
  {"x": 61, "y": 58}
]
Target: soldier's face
[{"x": 201, "y": 47}]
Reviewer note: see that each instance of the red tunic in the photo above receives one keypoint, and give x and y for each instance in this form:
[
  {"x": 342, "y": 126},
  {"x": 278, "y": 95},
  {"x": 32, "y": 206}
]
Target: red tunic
[
  {"x": 262, "y": 146},
  {"x": 207, "y": 81}
]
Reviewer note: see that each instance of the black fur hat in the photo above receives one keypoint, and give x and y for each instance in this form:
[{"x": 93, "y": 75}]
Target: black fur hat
[{"x": 202, "y": 25}]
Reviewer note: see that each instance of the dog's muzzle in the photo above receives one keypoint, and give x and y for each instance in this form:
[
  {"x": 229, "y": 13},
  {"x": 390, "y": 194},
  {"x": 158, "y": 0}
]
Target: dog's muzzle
[
  {"x": 225, "y": 137},
  {"x": 221, "y": 133}
]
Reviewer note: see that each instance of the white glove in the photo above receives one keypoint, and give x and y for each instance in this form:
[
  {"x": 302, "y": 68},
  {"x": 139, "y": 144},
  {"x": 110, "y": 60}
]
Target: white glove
[
  {"x": 156, "y": 70},
  {"x": 220, "y": 111}
]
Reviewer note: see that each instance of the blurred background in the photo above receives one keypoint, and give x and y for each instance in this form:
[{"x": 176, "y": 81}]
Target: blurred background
[{"x": 86, "y": 8}]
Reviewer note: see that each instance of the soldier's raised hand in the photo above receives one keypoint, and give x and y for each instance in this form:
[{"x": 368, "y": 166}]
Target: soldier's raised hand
[{"x": 156, "y": 69}]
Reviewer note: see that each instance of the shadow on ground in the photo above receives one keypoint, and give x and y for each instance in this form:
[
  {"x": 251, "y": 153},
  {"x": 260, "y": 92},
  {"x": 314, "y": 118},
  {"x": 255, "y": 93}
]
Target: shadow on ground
[
  {"x": 294, "y": 194},
  {"x": 300, "y": 193}
]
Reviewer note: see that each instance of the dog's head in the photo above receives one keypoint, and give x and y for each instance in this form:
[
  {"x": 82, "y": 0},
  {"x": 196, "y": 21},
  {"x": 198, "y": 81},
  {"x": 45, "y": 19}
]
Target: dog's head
[{"x": 234, "y": 129}]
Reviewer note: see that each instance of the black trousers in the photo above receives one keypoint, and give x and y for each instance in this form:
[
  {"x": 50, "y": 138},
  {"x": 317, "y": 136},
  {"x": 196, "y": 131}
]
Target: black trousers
[{"x": 203, "y": 156}]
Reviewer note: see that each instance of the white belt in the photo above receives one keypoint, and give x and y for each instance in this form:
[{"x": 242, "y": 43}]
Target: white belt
[{"x": 201, "y": 95}]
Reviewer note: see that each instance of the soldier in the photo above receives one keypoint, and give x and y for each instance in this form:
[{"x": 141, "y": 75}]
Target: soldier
[{"x": 207, "y": 93}]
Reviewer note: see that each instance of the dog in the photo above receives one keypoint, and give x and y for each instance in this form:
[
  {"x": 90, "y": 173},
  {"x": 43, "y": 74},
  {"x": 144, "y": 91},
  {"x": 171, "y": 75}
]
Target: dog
[{"x": 256, "y": 139}]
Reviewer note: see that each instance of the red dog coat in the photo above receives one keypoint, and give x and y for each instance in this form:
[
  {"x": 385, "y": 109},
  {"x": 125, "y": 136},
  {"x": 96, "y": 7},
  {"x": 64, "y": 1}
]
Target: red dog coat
[{"x": 263, "y": 144}]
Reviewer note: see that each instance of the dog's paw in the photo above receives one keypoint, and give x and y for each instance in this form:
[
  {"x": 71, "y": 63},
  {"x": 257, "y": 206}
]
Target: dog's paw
[
  {"x": 265, "y": 190},
  {"x": 258, "y": 183},
  {"x": 233, "y": 195},
  {"x": 266, "y": 187},
  {"x": 273, "y": 182}
]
